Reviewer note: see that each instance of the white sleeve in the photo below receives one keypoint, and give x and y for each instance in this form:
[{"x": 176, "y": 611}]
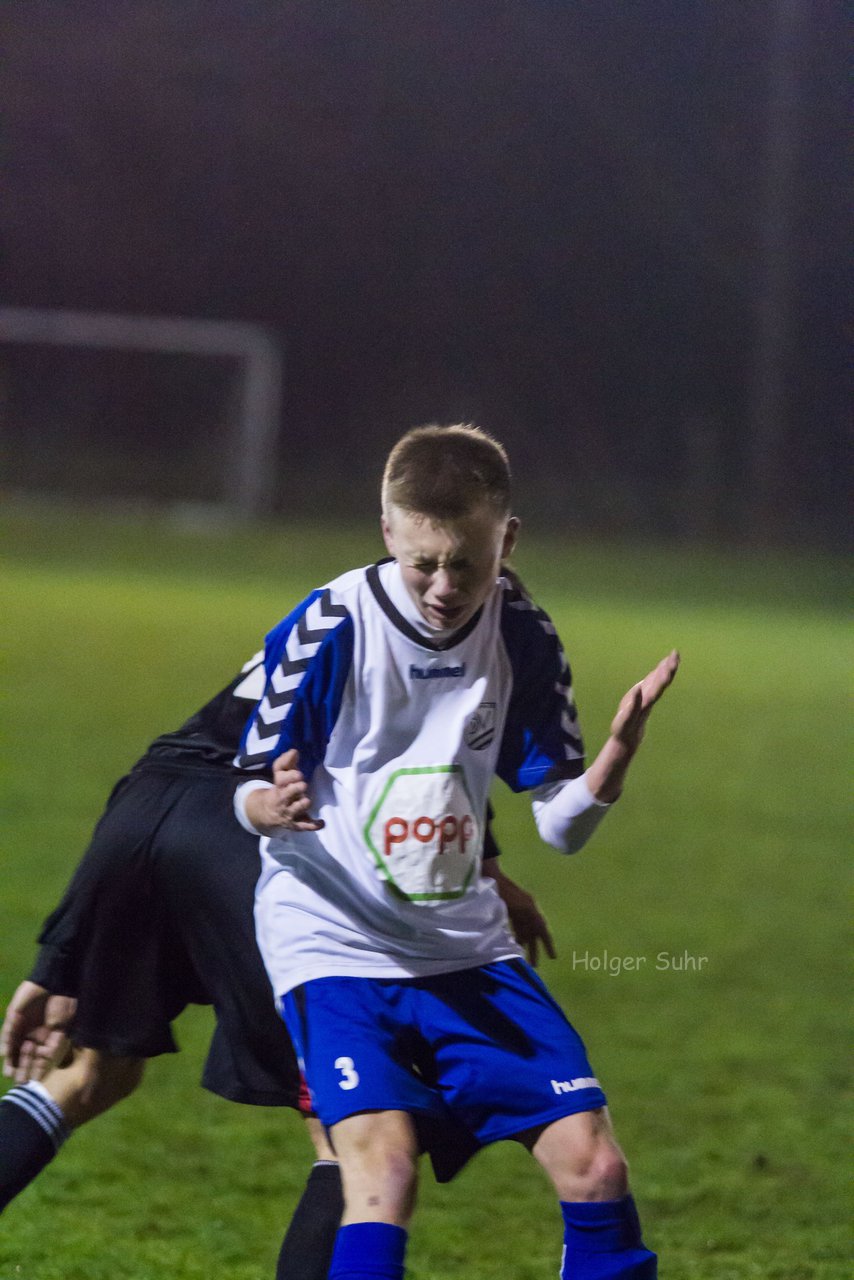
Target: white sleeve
[
  {"x": 254, "y": 784},
  {"x": 567, "y": 813}
]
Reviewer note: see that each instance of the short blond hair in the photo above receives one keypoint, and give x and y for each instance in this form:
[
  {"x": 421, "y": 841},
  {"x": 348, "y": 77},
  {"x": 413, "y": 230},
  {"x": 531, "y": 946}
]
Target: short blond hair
[{"x": 443, "y": 472}]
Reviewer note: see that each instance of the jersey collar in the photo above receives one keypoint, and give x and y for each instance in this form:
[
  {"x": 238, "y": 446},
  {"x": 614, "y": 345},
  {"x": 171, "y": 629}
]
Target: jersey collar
[{"x": 404, "y": 626}]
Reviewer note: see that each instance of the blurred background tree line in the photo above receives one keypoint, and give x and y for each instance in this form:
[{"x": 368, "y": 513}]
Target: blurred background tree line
[{"x": 613, "y": 234}]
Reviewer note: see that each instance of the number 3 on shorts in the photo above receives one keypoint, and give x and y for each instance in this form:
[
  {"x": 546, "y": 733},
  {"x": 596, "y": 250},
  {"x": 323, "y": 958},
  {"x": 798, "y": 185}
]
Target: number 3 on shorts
[{"x": 348, "y": 1071}]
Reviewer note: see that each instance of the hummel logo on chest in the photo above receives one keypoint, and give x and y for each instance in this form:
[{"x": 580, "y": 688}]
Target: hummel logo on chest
[{"x": 437, "y": 673}]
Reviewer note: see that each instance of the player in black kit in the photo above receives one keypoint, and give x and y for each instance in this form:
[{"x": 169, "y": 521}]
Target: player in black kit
[{"x": 159, "y": 915}]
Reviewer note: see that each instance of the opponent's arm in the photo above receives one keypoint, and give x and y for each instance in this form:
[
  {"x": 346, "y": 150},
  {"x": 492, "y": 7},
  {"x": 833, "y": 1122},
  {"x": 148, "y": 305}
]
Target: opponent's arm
[{"x": 529, "y": 925}]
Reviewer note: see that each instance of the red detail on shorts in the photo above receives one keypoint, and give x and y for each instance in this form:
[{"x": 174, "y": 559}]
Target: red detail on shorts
[{"x": 305, "y": 1103}]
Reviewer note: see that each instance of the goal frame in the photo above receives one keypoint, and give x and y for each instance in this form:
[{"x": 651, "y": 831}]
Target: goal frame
[{"x": 249, "y": 491}]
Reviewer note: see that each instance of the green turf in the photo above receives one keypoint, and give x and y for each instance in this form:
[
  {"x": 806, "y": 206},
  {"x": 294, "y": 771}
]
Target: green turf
[{"x": 726, "y": 1076}]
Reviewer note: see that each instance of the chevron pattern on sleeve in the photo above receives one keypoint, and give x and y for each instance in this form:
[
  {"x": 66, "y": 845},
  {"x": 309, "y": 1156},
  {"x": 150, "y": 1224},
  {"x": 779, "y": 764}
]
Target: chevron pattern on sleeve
[
  {"x": 309, "y": 632},
  {"x": 518, "y": 599}
]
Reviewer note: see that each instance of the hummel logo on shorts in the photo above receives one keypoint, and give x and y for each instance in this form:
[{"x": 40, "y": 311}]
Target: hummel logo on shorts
[{"x": 569, "y": 1086}]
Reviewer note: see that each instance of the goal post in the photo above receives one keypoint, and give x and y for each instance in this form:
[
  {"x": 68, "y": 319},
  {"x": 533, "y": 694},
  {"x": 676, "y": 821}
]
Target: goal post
[{"x": 254, "y": 351}]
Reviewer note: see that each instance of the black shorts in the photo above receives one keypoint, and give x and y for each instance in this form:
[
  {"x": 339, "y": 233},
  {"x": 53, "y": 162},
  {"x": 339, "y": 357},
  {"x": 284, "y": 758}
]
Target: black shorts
[{"x": 159, "y": 915}]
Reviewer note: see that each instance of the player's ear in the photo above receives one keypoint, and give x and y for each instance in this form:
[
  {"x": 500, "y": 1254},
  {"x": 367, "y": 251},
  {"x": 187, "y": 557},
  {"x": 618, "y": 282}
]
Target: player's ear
[
  {"x": 511, "y": 536},
  {"x": 387, "y": 534}
]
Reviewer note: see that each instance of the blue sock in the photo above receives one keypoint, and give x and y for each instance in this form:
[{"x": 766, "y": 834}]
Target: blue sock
[
  {"x": 368, "y": 1251},
  {"x": 602, "y": 1241}
]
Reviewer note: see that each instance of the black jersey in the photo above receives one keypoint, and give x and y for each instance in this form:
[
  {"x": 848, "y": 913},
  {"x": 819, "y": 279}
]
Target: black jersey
[{"x": 211, "y": 736}]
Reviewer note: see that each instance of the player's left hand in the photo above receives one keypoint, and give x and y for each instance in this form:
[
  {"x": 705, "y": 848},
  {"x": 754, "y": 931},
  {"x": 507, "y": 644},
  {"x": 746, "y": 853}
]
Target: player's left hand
[
  {"x": 33, "y": 1038},
  {"x": 630, "y": 721}
]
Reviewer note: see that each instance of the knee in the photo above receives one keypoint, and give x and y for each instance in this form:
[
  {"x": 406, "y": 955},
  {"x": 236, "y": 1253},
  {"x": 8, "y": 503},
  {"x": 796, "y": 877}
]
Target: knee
[
  {"x": 603, "y": 1174},
  {"x": 92, "y": 1083},
  {"x": 390, "y": 1170},
  {"x": 584, "y": 1162}
]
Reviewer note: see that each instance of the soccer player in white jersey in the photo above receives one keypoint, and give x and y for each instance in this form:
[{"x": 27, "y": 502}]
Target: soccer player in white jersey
[{"x": 393, "y": 696}]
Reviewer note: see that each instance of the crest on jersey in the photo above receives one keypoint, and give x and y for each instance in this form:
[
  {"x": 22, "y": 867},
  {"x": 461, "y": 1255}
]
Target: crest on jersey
[{"x": 480, "y": 730}]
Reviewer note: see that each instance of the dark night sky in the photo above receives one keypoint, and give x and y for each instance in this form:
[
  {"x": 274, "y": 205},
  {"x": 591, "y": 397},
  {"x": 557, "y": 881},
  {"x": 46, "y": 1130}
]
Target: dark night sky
[{"x": 540, "y": 214}]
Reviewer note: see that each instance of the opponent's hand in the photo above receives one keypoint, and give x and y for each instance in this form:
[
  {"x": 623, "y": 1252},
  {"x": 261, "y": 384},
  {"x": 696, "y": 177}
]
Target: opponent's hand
[
  {"x": 285, "y": 805},
  {"x": 529, "y": 925},
  {"x": 33, "y": 1038},
  {"x": 630, "y": 721}
]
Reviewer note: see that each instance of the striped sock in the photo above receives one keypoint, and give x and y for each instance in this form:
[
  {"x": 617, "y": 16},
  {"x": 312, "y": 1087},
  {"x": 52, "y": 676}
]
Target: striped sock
[{"x": 32, "y": 1129}]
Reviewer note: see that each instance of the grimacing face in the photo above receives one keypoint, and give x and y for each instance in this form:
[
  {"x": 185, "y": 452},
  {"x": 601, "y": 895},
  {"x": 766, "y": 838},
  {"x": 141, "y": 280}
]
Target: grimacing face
[{"x": 449, "y": 566}]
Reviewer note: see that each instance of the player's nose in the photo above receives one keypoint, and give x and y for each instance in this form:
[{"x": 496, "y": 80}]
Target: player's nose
[{"x": 444, "y": 585}]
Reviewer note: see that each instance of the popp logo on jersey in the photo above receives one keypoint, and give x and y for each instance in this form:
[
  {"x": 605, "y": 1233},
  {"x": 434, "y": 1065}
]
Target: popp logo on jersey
[
  {"x": 447, "y": 832},
  {"x": 423, "y": 833}
]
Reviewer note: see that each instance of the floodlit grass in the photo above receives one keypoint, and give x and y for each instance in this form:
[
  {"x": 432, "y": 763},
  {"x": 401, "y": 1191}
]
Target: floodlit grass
[{"x": 700, "y": 938}]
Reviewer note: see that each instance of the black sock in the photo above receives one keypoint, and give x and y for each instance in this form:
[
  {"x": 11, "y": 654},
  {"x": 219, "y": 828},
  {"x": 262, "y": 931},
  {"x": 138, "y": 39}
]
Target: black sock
[
  {"x": 31, "y": 1133},
  {"x": 309, "y": 1241}
]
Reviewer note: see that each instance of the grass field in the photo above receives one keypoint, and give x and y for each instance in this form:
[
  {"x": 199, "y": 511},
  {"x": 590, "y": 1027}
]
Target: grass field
[{"x": 721, "y": 872}]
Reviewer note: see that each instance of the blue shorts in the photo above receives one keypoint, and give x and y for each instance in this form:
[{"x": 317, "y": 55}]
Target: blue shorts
[{"x": 486, "y": 1051}]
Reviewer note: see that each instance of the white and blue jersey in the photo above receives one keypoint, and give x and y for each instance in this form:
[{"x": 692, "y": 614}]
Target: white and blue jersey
[{"x": 400, "y": 732}]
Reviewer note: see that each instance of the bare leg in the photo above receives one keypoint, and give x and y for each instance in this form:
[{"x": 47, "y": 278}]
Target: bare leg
[
  {"x": 378, "y": 1151},
  {"x": 602, "y": 1236},
  {"x": 91, "y": 1083},
  {"x": 37, "y": 1115},
  {"x": 581, "y": 1156}
]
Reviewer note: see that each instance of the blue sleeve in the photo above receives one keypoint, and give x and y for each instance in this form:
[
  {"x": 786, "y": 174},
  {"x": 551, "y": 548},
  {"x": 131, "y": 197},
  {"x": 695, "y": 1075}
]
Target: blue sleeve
[
  {"x": 307, "y": 660},
  {"x": 542, "y": 739}
]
